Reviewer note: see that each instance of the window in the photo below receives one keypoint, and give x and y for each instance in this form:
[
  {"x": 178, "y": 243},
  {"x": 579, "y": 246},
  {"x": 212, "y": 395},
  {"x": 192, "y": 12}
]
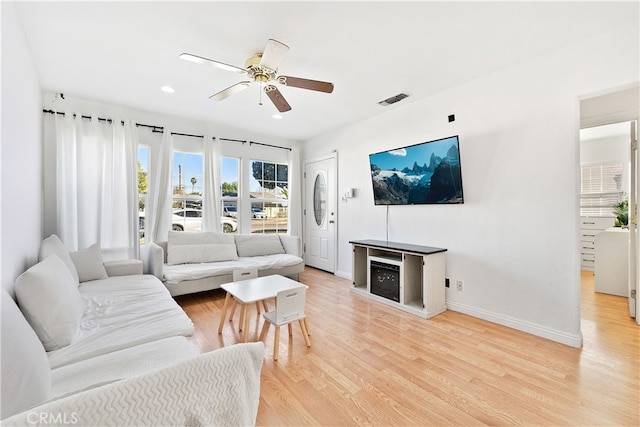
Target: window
[
  {"x": 600, "y": 188},
  {"x": 143, "y": 187},
  {"x": 186, "y": 181},
  {"x": 255, "y": 192},
  {"x": 268, "y": 195}
]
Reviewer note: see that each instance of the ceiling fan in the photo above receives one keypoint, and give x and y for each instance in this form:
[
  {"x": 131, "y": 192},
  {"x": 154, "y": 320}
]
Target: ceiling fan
[{"x": 262, "y": 68}]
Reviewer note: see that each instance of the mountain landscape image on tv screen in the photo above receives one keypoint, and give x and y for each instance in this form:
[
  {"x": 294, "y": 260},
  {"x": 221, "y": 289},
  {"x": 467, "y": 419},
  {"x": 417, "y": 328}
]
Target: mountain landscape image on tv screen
[{"x": 426, "y": 173}]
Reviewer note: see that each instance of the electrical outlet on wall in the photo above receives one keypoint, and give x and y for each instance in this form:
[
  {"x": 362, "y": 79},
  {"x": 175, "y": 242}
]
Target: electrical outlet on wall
[{"x": 459, "y": 285}]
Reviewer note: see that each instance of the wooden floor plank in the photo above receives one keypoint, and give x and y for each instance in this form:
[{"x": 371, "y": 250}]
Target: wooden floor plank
[{"x": 371, "y": 364}]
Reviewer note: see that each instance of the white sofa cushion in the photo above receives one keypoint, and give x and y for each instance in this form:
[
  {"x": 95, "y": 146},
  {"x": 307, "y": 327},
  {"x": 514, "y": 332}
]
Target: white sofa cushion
[
  {"x": 174, "y": 274},
  {"x": 258, "y": 244},
  {"x": 291, "y": 244},
  {"x": 122, "y": 312},
  {"x": 198, "y": 247},
  {"x": 26, "y": 376},
  {"x": 124, "y": 267},
  {"x": 53, "y": 245},
  {"x": 50, "y": 300},
  {"x": 89, "y": 263}
]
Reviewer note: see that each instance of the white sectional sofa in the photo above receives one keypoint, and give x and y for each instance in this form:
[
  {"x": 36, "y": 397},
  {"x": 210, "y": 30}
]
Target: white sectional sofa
[
  {"x": 80, "y": 332},
  {"x": 192, "y": 262}
]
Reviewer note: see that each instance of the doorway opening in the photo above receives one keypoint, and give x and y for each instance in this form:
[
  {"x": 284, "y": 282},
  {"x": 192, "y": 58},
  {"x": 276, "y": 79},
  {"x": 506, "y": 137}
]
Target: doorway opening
[{"x": 608, "y": 187}]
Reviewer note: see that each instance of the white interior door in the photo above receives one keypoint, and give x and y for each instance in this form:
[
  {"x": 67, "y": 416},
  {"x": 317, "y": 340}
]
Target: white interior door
[
  {"x": 320, "y": 213},
  {"x": 634, "y": 248}
]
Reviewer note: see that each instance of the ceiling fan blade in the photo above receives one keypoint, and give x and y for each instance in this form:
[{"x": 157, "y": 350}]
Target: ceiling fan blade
[
  {"x": 231, "y": 90},
  {"x": 276, "y": 97},
  {"x": 273, "y": 53},
  {"x": 306, "y": 84},
  {"x": 206, "y": 61}
]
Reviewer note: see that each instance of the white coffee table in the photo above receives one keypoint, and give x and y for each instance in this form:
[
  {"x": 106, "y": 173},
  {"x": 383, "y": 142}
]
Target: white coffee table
[{"x": 249, "y": 291}]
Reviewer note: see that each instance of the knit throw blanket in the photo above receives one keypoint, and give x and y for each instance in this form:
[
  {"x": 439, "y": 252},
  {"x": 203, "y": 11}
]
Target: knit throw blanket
[{"x": 217, "y": 388}]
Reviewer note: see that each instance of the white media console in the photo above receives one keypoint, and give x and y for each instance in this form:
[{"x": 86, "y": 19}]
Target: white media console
[{"x": 405, "y": 276}]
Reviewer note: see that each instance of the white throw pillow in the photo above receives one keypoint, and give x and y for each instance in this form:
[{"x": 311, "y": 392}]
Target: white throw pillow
[
  {"x": 89, "y": 264},
  {"x": 258, "y": 244},
  {"x": 53, "y": 245},
  {"x": 26, "y": 375},
  {"x": 50, "y": 301},
  {"x": 193, "y": 248}
]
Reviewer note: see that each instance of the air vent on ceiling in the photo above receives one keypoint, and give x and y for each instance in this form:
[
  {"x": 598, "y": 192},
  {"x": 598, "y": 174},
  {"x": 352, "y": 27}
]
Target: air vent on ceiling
[{"x": 393, "y": 99}]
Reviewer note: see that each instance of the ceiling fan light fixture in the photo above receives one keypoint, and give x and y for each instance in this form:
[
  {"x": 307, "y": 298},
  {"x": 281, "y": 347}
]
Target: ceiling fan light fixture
[{"x": 253, "y": 61}]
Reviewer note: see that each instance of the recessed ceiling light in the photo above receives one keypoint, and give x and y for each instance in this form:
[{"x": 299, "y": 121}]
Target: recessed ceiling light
[
  {"x": 167, "y": 89},
  {"x": 277, "y": 116}
]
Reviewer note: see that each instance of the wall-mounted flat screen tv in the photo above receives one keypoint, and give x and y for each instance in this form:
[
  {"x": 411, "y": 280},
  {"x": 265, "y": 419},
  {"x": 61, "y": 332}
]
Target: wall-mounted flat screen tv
[{"x": 425, "y": 173}]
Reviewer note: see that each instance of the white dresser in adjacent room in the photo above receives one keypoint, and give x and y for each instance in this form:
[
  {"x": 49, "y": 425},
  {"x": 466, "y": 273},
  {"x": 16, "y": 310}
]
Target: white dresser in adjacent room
[
  {"x": 612, "y": 262},
  {"x": 589, "y": 228}
]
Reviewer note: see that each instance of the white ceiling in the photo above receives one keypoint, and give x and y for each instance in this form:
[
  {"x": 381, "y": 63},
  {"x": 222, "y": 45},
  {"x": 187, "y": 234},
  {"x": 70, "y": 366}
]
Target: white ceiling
[{"x": 122, "y": 52}]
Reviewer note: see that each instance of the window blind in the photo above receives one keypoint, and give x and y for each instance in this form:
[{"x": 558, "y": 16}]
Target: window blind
[{"x": 600, "y": 188}]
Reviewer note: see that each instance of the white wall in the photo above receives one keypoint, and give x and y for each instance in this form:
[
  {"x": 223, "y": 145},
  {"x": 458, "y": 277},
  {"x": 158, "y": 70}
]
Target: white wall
[
  {"x": 514, "y": 241},
  {"x": 21, "y": 173},
  {"x": 607, "y": 143},
  {"x": 613, "y": 148},
  {"x": 596, "y": 147}
]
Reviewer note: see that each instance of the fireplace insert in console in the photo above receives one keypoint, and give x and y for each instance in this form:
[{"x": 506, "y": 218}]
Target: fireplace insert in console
[{"x": 385, "y": 280}]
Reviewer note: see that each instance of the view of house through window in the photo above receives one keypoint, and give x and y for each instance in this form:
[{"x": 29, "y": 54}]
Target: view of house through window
[
  {"x": 269, "y": 197},
  {"x": 267, "y": 204}
]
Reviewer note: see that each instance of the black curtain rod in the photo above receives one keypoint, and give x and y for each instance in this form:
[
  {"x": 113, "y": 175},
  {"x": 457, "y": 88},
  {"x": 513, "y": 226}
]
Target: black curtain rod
[
  {"x": 233, "y": 140},
  {"x": 154, "y": 128},
  {"x": 256, "y": 143},
  {"x": 100, "y": 119},
  {"x": 161, "y": 129},
  {"x": 188, "y": 134},
  {"x": 269, "y": 145}
]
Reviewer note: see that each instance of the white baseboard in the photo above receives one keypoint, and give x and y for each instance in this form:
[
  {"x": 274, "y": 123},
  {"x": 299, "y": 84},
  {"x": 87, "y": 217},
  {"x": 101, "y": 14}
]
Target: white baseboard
[
  {"x": 518, "y": 324},
  {"x": 344, "y": 275},
  {"x": 508, "y": 321}
]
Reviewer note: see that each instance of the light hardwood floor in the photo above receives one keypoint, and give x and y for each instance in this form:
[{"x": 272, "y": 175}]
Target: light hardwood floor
[{"x": 370, "y": 364}]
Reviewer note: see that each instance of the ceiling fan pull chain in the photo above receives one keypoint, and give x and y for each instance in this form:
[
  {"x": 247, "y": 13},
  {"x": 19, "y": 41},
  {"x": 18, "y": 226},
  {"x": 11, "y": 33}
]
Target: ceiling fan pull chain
[{"x": 260, "y": 101}]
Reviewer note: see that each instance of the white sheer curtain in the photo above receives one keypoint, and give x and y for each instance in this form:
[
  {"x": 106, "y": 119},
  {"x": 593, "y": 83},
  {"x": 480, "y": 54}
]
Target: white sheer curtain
[
  {"x": 120, "y": 192},
  {"x": 295, "y": 194},
  {"x": 211, "y": 196},
  {"x": 159, "y": 202},
  {"x": 95, "y": 171}
]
